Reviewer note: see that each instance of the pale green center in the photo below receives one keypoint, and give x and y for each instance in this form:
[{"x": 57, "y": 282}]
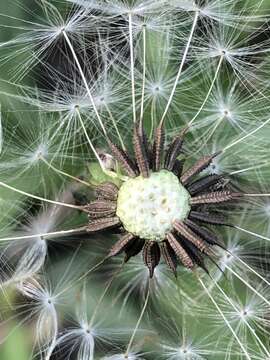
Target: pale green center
[{"x": 147, "y": 207}]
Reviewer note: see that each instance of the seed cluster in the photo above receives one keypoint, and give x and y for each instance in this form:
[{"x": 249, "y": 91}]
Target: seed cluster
[{"x": 162, "y": 209}]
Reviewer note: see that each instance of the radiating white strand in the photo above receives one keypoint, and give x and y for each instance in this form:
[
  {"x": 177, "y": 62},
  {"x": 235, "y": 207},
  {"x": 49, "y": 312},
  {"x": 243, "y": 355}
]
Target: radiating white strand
[
  {"x": 132, "y": 66},
  {"x": 53, "y": 342},
  {"x": 144, "y": 73},
  {"x": 252, "y": 330},
  {"x": 225, "y": 319},
  {"x": 257, "y": 195},
  {"x": 116, "y": 127},
  {"x": 90, "y": 142},
  {"x": 208, "y": 137},
  {"x": 40, "y": 198},
  {"x": 249, "y": 168},
  {"x": 251, "y": 233},
  {"x": 139, "y": 321},
  {"x": 108, "y": 286},
  {"x": 209, "y": 91},
  {"x": 247, "y": 284},
  {"x": 30, "y": 261},
  {"x": 84, "y": 81},
  {"x": 45, "y": 235},
  {"x": 181, "y": 65},
  {"x": 103, "y": 168},
  {"x": 83, "y": 276},
  {"x": 250, "y": 268},
  {"x": 63, "y": 173},
  {"x": 246, "y": 136}
]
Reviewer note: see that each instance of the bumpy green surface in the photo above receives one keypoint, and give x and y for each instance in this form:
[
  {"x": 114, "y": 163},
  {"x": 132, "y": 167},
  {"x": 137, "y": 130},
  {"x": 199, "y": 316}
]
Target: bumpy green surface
[{"x": 148, "y": 207}]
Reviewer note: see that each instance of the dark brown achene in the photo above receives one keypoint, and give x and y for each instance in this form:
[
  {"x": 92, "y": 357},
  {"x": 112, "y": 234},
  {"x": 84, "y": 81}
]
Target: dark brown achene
[{"x": 179, "y": 238}]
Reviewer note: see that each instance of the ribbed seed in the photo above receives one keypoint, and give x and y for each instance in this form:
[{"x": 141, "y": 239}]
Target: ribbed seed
[
  {"x": 125, "y": 161},
  {"x": 107, "y": 191},
  {"x": 180, "y": 251},
  {"x": 158, "y": 147},
  {"x": 101, "y": 208},
  {"x": 178, "y": 167},
  {"x": 151, "y": 256},
  {"x": 206, "y": 234},
  {"x": 169, "y": 256},
  {"x": 103, "y": 224},
  {"x": 195, "y": 254},
  {"x": 101, "y": 205},
  {"x": 121, "y": 244},
  {"x": 199, "y": 166},
  {"x": 141, "y": 152},
  {"x": 134, "y": 247},
  {"x": 208, "y": 218},
  {"x": 214, "y": 197},
  {"x": 188, "y": 234},
  {"x": 173, "y": 152},
  {"x": 203, "y": 183}
]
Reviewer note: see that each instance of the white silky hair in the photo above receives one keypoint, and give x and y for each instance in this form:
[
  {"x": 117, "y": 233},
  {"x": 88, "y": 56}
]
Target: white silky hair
[{"x": 178, "y": 80}]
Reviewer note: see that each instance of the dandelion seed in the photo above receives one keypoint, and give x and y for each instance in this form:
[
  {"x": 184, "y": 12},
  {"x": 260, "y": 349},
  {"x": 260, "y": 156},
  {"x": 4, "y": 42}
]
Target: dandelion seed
[
  {"x": 30, "y": 242},
  {"x": 44, "y": 308},
  {"x": 130, "y": 356}
]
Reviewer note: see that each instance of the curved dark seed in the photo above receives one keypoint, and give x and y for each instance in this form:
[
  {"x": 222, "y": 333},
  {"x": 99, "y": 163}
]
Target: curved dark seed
[
  {"x": 195, "y": 255},
  {"x": 133, "y": 248},
  {"x": 100, "y": 205},
  {"x": 108, "y": 191},
  {"x": 208, "y": 218},
  {"x": 199, "y": 166},
  {"x": 151, "y": 256},
  {"x": 174, "y": 151},
  {"x": 100, "y": 214},
  {"x": 188, "y": 234},
  {"x": 121, "y": 244},
  {"x": 169, "y": 256},
  {"x": 147, "y": 146},
  {"x": 121, "y": 156},
  {"x": 214, "y": 197},
  {"x": 158, "y": 147},
  {"x": 101, "y": 208},
  {"x": 103, "y": 224},
  {"x": 178, "y": 167},
  {"x": 180, "y": 252},
  {"x": 206, "y": 234},
  {"x": 141, "y": 152},
  {"x": 203, "y": 183}
]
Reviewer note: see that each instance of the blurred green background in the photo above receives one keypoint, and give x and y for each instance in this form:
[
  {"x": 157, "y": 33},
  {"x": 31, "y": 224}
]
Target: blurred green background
[{"x": 18, "y": 345}]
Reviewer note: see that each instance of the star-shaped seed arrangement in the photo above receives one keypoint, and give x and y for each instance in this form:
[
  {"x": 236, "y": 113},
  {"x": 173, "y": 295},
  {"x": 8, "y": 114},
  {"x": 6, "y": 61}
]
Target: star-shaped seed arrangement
[{"x": 162, "y": 209}]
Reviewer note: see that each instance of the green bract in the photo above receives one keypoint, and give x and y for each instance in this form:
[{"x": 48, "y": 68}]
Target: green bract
[{"x": 147, "y": 207}]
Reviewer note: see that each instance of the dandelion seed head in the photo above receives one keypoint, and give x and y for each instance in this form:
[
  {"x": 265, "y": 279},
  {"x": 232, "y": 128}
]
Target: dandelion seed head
[
  {"x": 124, "y": 356},
  {"x": 203, "y": 65},
  {"x": 188, "y": 350},
  {"x": 48, "y": 301},
  {"x": 215, "y": 167},
  {"x": 156, "y": 89},
  {"x": 245, "y": 313},
  {"x": 41, "y": 152},
  {"x": 227, "y": 257},
  {"x": 226, "y": 112},
  {"x": 217, "y": 50},
  {"x": 43, "y": 308}
]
